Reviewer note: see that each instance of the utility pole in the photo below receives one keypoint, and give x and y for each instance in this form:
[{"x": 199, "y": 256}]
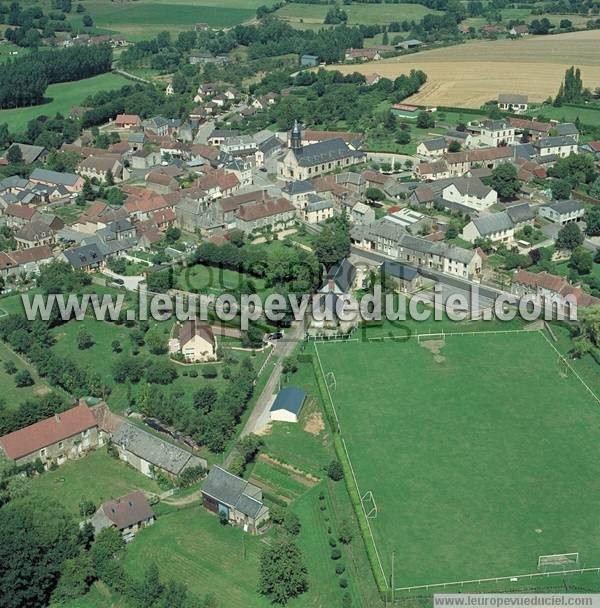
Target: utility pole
[{"x": 393, "y": 583}]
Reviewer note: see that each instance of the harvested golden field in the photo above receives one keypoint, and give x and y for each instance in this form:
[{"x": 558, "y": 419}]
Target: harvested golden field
[{"x": 470, "y": 74}]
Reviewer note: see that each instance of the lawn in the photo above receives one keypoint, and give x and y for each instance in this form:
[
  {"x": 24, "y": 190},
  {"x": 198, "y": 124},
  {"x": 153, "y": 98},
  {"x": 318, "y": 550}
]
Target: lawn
[
  {"x": 306, "y": 444},
  {"x": 475, "y": 455},
  {"x": 61, "y": 98},
  {"x": 207, "y": 279},
  {"x": 97, "y": 477},
  {"x": 69, "y": 213},
  {"x": 191, "y": 546},
  {"x": 588, "y": 116}
]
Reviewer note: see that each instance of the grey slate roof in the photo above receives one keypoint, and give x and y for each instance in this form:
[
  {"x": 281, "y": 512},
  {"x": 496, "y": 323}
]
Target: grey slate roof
[
  {"x": 54, "y": 177},
  {"x": 520, "y": 213},
  {"x": 441, "y": 249},
  {"x": 399, "y": 271},
  {"x": 439, "y": 143},
  {"x": 551, "y": 142},
  {"x": 13, "y": 182},
  {"x": 155, "y": 450},
  {"x": 290, "y": 398},
  {"x": 566, "y": 129},
  {"x": 232, "y": 491},
  {"x": 29, "y": 153},
  {"x": 343, "y": 274},
  {"x": 566, "y": 206},
  {"x": 86, "y": 255},
  {"x": 494, "y": 222},
  {"x": 298, "y": 187},
  {"x": 324, "y": 151}
]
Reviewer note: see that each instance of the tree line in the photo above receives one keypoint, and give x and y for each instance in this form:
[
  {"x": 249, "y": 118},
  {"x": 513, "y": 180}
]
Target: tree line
[{"x": 26, "y": 79}]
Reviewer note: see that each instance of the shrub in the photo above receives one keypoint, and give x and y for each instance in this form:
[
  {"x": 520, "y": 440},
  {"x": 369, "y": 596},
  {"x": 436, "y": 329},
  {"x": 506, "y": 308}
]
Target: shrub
[
  {"x": 343, "y": 582},
  {"x": 336, "y": 554},
  {"x": 346, "y": 600},
  {"x": 193, "y": 373},
  {"x": 209, "y": 372},
  {"x": 340, "y": 569},
  {"x": 332, "y": 542},
  {"x": 323, "y": 507},
  {"x": 335, "y": 470}
]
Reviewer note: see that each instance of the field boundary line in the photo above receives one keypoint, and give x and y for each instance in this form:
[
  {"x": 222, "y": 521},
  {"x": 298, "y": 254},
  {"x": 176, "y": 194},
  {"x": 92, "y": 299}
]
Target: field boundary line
[
  {"x": 347, "y": 456},
  {"x": 496, "y": 579},
  {"x": 572, "y": 369}
]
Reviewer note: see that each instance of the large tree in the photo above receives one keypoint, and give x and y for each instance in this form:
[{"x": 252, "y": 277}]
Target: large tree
[
  {"x": 282, "y": 571},
  {"x": 569, "y": 237},
  {"x": 505, "y": 180},
  {"x": 333, "y": 244},
  {"x": 36, "y": 538}
]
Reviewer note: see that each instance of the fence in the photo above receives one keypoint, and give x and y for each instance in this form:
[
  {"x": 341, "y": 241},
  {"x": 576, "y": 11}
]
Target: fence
[{"x": 497, "y": 579}]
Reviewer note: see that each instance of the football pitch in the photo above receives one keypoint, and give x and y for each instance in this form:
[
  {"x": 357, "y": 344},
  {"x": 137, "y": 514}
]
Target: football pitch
[{"x": 481, "y": 452}]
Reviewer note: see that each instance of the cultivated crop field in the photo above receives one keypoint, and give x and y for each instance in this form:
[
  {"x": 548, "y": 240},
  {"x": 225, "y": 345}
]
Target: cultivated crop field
[
  {"x": 475, "y": 469},
  {"x": 470, "y": 74}
]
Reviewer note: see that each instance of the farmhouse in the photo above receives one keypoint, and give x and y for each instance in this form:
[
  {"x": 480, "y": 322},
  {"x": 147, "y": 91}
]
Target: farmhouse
[
  {"x": 236, "y": 500},
  {"x": 98, "y": 167},
  {"x": 433, "y": 171},
  {"x": 362, "y": 55},
  {"x": 558, "y": 145},
  {"x": 534, "y": 128},
  {"x": 64, "y": 436},
  {"x": 288, "y": 404},
  {"x": 30, "y": 154},
  {"x": 127, "y": 514},
  {"x": 34, "y": 234},
  {"x": 317, "y": 209},
  {"x": 562, "y": 212},
  {"x": 433, "y": 147},
  {"x": 85, "y": 257},
  {"x": 148, "y": 453},
  {"x": 510, "y": 102},
  {"x": 195, "y": 341},
  {"x": 305, "y": 162},
  {"x": 496, "y": 133},
  {"x": 497, "y": 227},
  {"x": 127, "y": 121},
  {"x": 72, "y": 182},
  {"x": 310, "y": 61}
]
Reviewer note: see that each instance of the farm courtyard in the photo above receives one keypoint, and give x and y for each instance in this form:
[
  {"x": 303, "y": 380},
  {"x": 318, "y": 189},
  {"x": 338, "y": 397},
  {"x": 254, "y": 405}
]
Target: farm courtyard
[
  {"x": 468, "y": 75},
  {"x": 475, "y": 469}
]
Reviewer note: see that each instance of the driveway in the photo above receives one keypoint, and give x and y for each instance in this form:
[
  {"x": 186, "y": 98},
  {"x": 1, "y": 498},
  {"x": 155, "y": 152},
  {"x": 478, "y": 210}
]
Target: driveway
[
  {"x": 130, "y": 283},
  {"x": 551, "y": 230}
]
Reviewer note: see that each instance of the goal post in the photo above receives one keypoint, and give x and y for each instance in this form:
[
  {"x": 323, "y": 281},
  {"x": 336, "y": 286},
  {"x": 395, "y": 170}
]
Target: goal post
[
  {"x": 441, "y": 336},
  {"x": 558, "y": 561},
  {"x": 369, "y": 505},
  {"x": 563, "y": 366},
  {"x": 330, "y": 381}
]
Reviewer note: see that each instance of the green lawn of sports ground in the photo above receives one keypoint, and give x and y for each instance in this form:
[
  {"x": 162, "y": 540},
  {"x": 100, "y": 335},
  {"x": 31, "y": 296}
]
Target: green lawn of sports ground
[
  {"x": 478, "y": 463},
  {"x": 63, "y": 97}
]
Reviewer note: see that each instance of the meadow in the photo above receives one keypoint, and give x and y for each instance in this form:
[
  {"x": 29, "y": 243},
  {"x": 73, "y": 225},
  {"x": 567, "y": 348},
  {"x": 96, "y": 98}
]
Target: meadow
[
  {"x": 467, "y": 75},
  {"x": 97, "y": 477},
  {"x": 61, "y": 98},
  {"x": 312, "y": 15},
  {"x": 474, "y": 468}
]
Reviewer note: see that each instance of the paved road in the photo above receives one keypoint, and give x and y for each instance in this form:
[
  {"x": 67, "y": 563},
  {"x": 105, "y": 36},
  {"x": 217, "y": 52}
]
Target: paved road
[{"x": 259, "y": 417}]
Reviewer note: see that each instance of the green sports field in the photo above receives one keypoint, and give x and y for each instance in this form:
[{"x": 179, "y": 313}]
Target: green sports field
[{"x": 480, "y": 456}]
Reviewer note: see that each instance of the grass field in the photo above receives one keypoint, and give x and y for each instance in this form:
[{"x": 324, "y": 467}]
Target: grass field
[
  {"x": 97, "y": 477},
  {"x": 468, "y": 75},
  {"x": 475, "y": 469},
  {"x": 9, "y": 392},
  {"x": 312, "y": 15},
  {"x": 62, "y": 98},
  {"x": 588, "y": 116}
]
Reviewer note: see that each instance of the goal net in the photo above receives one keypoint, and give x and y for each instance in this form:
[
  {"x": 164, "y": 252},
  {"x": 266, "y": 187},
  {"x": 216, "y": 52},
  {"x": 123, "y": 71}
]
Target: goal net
[
  {"x": 558, "y": 561},
  {"x": 330, "y": 381}
]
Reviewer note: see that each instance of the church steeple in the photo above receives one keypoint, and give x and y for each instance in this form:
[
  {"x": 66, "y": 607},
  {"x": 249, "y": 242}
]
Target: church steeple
[{"x": 296, "y": 137}]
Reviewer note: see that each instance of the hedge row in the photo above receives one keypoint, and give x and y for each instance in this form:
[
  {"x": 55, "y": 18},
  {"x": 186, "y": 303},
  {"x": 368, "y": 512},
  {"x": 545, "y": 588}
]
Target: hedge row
[{"x": 349, "y": 478}]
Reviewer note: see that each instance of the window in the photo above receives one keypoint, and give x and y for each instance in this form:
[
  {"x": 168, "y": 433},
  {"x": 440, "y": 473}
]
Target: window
[{"x": 61, "y": 445}]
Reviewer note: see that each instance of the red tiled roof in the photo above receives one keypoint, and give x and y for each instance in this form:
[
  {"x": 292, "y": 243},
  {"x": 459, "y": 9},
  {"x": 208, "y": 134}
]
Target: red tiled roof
[
  {"x": 32, "y": 254},
  {"x": 20, "y": 211},
  {"x": 128, "y": 510},
  {"x": 530, "y": 125},
  {"x": 47, "y": 432},
  {"x": 127, "y": 119},
  {"x": 257, "y": 211},
  {"x": 310, "y": 135},
  {"x": 164, "y": 216},
  {"x": 555, "y": 284},
  {"x": 594, "y": 145}
]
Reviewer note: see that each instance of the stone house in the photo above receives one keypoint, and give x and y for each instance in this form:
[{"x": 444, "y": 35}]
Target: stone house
[
  {"x": 65, "y": 436},
  {"x": 128, "y": 514}
]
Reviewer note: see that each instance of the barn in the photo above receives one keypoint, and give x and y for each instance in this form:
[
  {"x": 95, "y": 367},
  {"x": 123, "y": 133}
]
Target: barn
[{"x": 288, "y": 404}]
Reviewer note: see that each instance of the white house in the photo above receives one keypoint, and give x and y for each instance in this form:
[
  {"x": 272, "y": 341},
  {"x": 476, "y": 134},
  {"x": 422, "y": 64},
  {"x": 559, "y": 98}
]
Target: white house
[
  {"x": 497, "y": 227},
  {"x": 496, "y": 133},
  {"x": 562, "y": 212},
  {"x": 510, "y": 102},
  {"x": 195, "y": 341},
  {"x": 288, "y": 404},
  {"x": 559, "y": 145},
  {"x": 471, "y": 192}
]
